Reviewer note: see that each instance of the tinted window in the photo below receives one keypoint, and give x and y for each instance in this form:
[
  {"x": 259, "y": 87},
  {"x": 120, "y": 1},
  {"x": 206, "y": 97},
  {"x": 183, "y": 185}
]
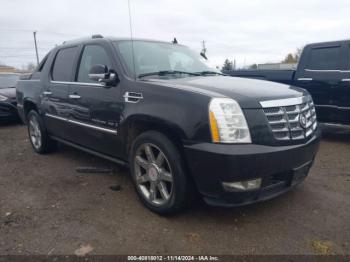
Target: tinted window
[
  {"x": 92, "y": 55},
  {"x": 151, "y": 56},
  {"x": 324, "y": 58},
  {"x": 64, "y": 62}
]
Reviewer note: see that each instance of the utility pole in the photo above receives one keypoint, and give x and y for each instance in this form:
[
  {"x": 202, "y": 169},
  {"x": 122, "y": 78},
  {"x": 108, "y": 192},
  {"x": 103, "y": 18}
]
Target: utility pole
[
  {"x": 36, "y": 48},
  {"x": 204, "y": 50}
]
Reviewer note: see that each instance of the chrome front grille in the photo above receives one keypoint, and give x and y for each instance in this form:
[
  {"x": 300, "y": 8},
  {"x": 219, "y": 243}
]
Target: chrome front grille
[{"x": 291, "y": 119}]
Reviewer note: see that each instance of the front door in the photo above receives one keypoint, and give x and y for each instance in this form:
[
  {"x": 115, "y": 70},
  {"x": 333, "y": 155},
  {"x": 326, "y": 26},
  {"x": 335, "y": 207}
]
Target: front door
[
  {"x": 55, "y": 102},
  {"x": 320, "y": 77},
  {"x": 96, "y": 108}
]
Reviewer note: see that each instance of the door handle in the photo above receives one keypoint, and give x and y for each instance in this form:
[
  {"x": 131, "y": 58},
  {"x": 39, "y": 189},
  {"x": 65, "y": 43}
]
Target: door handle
[
  {"x": 305, "y": 79},
  {"x": 47, "y": 93},
  {"x": 74, "y": 96},
  {"x": 346, "y": 80}
]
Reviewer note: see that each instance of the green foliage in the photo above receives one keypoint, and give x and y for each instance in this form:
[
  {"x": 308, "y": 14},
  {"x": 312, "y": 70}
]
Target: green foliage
[
  {"x": 253, "y": 66},
  {"x": 228, "y": 65},
  {"x": 292, "y": 58}
]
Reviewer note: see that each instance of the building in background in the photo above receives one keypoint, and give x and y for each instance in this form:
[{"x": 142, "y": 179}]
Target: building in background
[
  {"x": 7, "y": 69},
  {"x": 277, "y": 66}
]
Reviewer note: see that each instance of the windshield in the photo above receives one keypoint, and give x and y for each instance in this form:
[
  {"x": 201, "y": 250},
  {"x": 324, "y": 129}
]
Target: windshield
[
  {"x": 7, "y": 81},
  {"x": 151, "y": 57}
]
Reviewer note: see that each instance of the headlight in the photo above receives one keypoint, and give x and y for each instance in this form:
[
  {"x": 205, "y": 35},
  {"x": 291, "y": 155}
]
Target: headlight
[
  {"x": 227, "y": 122},
  {"x": 3, "y": 98}
]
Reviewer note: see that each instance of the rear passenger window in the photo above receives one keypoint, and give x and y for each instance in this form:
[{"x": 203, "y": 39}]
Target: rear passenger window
[
  {"x": 92, "y": 55},
  {"x": 64, "y": 64},
  {"x": 326, "y": 58}
]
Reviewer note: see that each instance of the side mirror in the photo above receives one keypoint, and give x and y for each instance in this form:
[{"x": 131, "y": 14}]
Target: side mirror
[{"x": 102, "y": 74}]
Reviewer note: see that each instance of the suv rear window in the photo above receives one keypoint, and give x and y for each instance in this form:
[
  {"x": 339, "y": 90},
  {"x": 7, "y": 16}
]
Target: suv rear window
[
  {"x": 325, "y": 58},
  {"x": 64, "y": 64}
]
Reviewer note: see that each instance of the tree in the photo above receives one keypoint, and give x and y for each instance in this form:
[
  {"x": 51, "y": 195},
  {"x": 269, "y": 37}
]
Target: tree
[
  {"x": 30, "y": 66},
  {"x": 228, "y": 65},
  {"x": 253, "y": 66},
  {"x": 292, "y": 58}
]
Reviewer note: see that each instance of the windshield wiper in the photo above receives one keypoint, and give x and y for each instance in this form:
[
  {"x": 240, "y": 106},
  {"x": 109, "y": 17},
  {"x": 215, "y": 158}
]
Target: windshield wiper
[
  {"x": 204, "y": 73},
  {"x": 168, "y": 72}
]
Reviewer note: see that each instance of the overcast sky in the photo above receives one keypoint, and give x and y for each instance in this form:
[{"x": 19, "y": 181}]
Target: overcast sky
[{"x": 250, "y": 31}]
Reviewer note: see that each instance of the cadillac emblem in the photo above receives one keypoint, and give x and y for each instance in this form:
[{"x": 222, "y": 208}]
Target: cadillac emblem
[{"x": 303, "y": 120}]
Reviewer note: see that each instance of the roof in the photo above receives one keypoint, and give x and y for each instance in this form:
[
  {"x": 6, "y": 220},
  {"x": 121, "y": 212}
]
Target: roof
[
  {"x": 328, "y": 42},
  {"x": 111, "y": 38}
]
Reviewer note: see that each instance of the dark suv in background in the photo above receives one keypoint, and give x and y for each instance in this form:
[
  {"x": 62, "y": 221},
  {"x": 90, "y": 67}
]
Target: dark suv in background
[
  {"x": 8, "y": 108},
  {"x": 180, "y": 126}
]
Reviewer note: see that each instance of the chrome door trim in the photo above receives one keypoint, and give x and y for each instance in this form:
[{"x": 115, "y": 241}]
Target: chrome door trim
[
  {"x": 304, "y": 79},
  {"x": 323, "y": 70},
  {"x": 77, "y": 83},
  {"x": 327, "y": 70},
  {"x": 56, "y": 117},
  {"x": 335, "y": 107},
  {"x": 107, "y": 130},
  {"x": 47, "y": 93},
  {"x": 346, "y": 80},
  {"x": 285, "y": 102},
  {"x": 335, "y": 125},
  {"x": 74, "y": 96}
]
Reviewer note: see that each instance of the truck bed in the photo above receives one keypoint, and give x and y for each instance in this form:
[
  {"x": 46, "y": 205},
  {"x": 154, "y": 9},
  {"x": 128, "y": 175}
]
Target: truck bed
[{"x": 281, "y": 76}]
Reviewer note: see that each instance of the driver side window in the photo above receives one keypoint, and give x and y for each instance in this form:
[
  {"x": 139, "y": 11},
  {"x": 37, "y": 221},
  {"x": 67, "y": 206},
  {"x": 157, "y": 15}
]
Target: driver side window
[{"x": 92, "y": 55}]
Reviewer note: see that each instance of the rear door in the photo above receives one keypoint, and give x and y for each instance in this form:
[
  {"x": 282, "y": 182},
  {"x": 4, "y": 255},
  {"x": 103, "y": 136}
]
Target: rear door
[
  {"x": 320, "y": 75},
  {"x": 96, "y": 108},
  {"x": 55, "y": 100}
]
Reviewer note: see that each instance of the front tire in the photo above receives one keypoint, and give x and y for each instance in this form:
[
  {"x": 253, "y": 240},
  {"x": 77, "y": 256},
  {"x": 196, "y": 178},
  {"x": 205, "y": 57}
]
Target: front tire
[
  {"x": 38, "y": 136},
  {"x": 158, "y": 173}
]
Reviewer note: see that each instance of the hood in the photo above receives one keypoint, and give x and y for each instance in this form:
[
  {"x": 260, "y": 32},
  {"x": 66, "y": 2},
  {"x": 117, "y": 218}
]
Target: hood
[
  {"x": 8, "y": 92},
  {"x": 247, "y": 92}
]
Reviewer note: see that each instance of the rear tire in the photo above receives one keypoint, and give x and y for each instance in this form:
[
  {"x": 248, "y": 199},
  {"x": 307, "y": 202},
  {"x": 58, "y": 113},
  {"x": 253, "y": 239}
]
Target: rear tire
[
  {"x": 38, "y": 136},
  {"x": 158, "y": 173}
]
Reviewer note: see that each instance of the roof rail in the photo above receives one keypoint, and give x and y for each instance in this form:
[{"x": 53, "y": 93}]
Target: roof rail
[
  {"x": 96, "y": 36},
  {"x": 82, "y": 39}
]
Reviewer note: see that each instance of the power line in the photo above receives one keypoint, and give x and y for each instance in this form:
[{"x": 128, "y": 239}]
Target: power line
[{"x": 31, "y": 30}]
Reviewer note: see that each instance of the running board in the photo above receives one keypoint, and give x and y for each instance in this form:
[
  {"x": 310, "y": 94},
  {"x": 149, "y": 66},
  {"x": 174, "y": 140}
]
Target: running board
[{"x": 92, "y": 152}]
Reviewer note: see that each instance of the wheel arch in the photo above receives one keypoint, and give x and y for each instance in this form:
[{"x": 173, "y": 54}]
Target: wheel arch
[
  {"x": 29, "y": 105},
  {"x": 138, "y": 124}
]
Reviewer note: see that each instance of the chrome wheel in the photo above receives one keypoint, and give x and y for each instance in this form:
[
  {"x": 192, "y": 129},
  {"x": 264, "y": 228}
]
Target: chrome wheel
[
  {"x": 35, "y": 132},
  {"x": 153, "y": 174}
]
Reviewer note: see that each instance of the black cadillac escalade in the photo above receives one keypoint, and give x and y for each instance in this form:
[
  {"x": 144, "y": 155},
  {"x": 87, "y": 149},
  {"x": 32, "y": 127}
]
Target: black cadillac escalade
[{"x": 180, "y": 126}]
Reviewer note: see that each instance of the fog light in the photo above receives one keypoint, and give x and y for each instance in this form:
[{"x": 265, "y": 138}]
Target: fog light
[{"x": 242, "y": 185}]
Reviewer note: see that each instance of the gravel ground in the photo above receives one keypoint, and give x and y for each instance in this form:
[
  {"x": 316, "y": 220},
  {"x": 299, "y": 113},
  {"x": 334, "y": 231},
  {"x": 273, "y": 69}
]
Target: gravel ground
[{"x": 46, "y": 207}]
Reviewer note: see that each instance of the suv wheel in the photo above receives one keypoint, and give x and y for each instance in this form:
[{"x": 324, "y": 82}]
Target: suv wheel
[
  {"x": 158, "y": 173},
  {"x": 38, "y": 136}
]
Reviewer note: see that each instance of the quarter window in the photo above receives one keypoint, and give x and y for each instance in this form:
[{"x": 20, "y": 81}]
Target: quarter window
[
  {"x": 64, "y": 64},
  {"x": 92, "y": 55},
  {"x": 326, "y": 58}
]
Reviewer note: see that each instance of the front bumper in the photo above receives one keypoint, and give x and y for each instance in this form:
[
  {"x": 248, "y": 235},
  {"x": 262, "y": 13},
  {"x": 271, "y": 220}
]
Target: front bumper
[
  {"x": 8, "y": 111},
  {"x": 280, "y": 167}
]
